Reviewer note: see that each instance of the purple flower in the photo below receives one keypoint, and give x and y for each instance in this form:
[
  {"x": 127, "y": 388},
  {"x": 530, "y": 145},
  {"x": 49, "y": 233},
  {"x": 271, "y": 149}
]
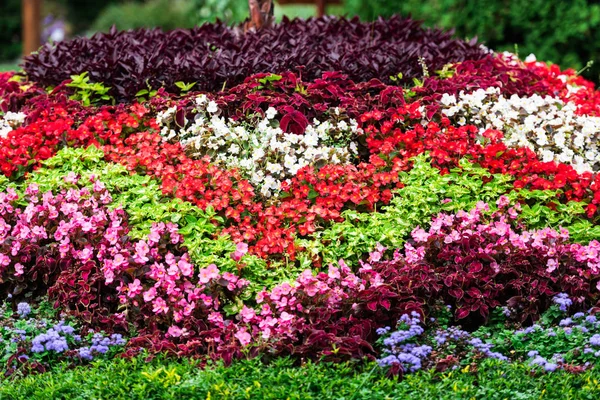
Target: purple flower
[
  {"x": 550, "y": 367},
  {"x": 23, "y": 309},
  {"x": 566, "y": 322},
  {"x": 563, "y": 301},
  {"x": 532, "y": 353},
  {"x": 595, "y": 340}
]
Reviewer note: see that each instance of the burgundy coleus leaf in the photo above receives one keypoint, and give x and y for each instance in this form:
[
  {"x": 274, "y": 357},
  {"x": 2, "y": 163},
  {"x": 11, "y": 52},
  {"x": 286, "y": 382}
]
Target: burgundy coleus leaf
[
  {"x": 456, "y": 293},
  {"x": 293, "y": 121},
  {"x": 475, "y": 267},
  {"x": 462, "y": 313}
]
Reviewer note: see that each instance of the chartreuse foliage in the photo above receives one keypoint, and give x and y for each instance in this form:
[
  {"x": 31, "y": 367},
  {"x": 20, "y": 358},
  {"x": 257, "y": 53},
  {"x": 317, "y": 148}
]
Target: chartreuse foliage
[
  {"x": 141, "y": 197},
  {"x": 425, "y": 193},
  {"x": 281, "y": 379}
]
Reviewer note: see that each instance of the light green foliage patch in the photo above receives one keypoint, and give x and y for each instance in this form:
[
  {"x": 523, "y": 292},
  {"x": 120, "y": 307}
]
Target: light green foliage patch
[{"x": 426, "y": 193}]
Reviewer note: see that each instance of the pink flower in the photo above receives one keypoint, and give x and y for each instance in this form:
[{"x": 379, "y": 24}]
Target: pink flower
[
  {"x": 243, "y": 336},
  {"x": 150, "y": 294},
  {"x": 19, "y": 269},
  {"x": 419, "y": 235},
  {"x": 32, "y": 189},
  {"x": 99, "y": 186},
  {"x": 175, "y": 331},
  {"x": 502, "y": 201},
  {"x": 552, "y": 265},
  {"x": 186, "y": 268},
  {"x": 135, "y": 288},
  {"x": 160, "y": 306},
  {"x": 247, "y": 314},
  {"x": 208, "y": 273},
  {"x": 72, "y": 178},
  {"x": 215, "y": 318},
  {"x": 240, "y": 250}
]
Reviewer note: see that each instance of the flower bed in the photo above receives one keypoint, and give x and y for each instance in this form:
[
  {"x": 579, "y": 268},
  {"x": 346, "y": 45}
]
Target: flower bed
[{"x": 332, "y": 212}]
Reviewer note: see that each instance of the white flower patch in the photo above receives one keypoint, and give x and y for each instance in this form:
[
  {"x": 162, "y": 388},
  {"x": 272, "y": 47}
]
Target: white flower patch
[
  {"x": 10, "y": 121},
  {"x": 260, "y": 149},
  {"x": 546, "y": 125}
]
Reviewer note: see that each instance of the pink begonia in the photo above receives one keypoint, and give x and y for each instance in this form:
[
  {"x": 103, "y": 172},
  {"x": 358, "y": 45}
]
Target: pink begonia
[
  {"x": 175, "y": 331},
  {"x": 187, "y": 269},
  {"x": 240, "y": 250},
  {"x": 19, "y": 269},
  {"x": 502, "y": 201},
  {"x": 552, "y": 265},
  {"x": 419, "y": 235},
  {"x": 135, "y": 288},
  {"x": 159, "y": 305},
  {"x": 150, "y": 294},
  {"x": 32, "y": 189},
  {"x": 208, "y": 273},
  {"x": 243, "y": 336},
  {"x": 247, "y": 314},
  {"x": 72, "y": 178}
]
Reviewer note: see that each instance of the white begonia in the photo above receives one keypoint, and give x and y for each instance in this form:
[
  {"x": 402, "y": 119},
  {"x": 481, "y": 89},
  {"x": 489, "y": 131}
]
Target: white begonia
[
  {"x": 531, "y": 58},
  {"x": 11, "y": 121},
  {"x": 546, "y": 125},
  {"x": 448, "y": 99},
  {"x": 264, "y": 154},
  {"x": 271, "y": 113},
  {"x": 212, "y": 107},
  {"x": 201, "y": 100}
]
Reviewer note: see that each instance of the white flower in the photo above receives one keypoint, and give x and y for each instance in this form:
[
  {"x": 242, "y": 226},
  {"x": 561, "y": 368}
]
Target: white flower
[
  {"x": 531, "y": 58},
  {"x": 271, "y": 113},
  {"x": 201, "y": 100},
  {"x": 448, "y": 99},
  {"x": 212, "y": 107}
]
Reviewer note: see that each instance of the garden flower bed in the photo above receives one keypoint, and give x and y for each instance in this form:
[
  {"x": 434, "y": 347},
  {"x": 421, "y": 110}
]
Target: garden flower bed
[{"x": 330, "y": 192}]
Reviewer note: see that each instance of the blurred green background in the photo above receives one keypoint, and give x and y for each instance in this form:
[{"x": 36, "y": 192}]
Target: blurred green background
[{"x": 563, "y": 32}]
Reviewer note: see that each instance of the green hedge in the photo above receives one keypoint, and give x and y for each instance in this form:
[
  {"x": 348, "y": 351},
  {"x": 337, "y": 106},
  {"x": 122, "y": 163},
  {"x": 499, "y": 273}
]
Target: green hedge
[
  {"x": 10, "y": 30},
  {"x": 563, "y": 32},
  {"x": 184, "y": 379}
]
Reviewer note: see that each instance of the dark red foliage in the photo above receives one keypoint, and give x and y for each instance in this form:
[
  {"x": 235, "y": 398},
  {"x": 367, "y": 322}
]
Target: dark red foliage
[{"x": 215, "y": 55}]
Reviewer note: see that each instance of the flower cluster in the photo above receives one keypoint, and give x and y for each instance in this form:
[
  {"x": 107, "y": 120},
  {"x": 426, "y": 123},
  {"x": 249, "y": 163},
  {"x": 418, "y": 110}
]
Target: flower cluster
[
  {"x": 262, "y": 151},
  {"x": 10, "y": 121},
  {"x": 544, "y": 124}
]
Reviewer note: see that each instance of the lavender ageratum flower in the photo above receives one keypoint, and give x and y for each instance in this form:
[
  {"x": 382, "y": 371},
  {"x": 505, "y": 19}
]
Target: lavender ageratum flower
[
  {"x": 566, "y": 322},
  {"x": 117, "y": 339},
  {"x": 382, "y": 331},
  {"x": 532, "y": 353},
  {"x": 23, "y": 309},
  {"x": 37, "y": 348},
  {"x": 563, "y": 301},
  {"x": 421, "y": 351},
  {"x": 551, "y": 333},
  {"x": 590, "y": 319},
  {"x": 595, "y": 340},
  {"x": 440, "y": 338},
  {"x": 85, "y": 353},
  {"x": 550, "y": 367},
  {"x": 578, "y": 315}
]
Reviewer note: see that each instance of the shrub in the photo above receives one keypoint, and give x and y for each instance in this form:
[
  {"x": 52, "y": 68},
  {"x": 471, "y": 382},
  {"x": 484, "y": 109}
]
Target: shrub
[
  {"x": 217, "y": 56},
  {"x": 564, "y": 33}
]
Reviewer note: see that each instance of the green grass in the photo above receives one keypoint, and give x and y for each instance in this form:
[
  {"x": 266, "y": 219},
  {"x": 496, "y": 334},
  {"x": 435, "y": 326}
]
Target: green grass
[
  {"x": 304, "y": 10},
  {"x": 183, "y": 379},
  {"x": 8, "y": 66}
]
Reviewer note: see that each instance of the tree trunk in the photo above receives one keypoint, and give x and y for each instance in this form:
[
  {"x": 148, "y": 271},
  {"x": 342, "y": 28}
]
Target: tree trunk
[
  {"x": 261, "y": 14},
  {"x": 31, "y": 22}
]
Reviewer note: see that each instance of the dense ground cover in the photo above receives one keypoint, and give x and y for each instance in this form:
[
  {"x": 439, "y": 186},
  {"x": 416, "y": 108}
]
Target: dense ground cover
[{"x": 429, "y": 211}]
